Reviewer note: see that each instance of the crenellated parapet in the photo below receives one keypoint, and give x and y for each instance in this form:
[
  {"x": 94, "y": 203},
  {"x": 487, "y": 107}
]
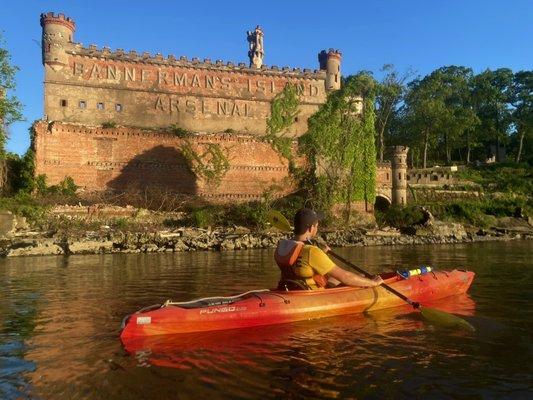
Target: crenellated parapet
[
  {"x": 132, "y": 56},
  {"x": 59, "y": 19}
]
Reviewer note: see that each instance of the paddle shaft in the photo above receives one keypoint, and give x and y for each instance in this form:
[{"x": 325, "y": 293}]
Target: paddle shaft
[{"x": 370, "y": 276}]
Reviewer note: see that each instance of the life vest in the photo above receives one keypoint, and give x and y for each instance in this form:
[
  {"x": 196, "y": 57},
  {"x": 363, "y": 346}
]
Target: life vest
[{"x": 286, "y": 255}]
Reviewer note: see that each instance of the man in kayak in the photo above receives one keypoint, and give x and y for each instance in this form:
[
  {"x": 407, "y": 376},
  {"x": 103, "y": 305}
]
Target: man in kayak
[{"x": 306, "y": 266}]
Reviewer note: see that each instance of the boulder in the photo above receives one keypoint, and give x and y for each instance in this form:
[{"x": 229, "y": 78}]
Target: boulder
[
  {"x": 40, "y": 247},
  {"x": 89, "y": 246},
  {"x": 21, "y": 224},
  {"x": 7, "y": 223}
]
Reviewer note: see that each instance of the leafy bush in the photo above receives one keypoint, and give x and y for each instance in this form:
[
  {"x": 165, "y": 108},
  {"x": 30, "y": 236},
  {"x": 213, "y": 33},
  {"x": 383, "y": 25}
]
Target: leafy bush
[
  {"x": 207, "y": 216},
  {"x": 179, "y": 131},
  {"x": 40, "y": 184},
  {"x": 120, "y": 223},
  {"x": 66, "y": 187},
  {"x": 24, "y": 204},
  {"x": 400, "y": 217},
  {"x": 479, "y": 212}
]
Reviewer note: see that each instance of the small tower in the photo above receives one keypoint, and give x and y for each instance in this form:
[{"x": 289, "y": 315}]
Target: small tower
[
  {"x": 58, "y": 32},
  {"x": 256, "y": 51},
  {"x": 399, "y": 175},
  {"x": 330, "y": 61}
]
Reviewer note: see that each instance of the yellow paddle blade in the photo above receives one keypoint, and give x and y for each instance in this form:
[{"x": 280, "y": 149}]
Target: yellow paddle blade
[
  {"x": 278, "y": 220},
  {"x": 442, "y": 318}
]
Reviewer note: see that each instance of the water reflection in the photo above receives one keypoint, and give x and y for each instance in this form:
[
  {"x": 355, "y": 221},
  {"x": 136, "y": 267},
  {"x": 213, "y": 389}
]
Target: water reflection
[{"x": 60, "y": 323}]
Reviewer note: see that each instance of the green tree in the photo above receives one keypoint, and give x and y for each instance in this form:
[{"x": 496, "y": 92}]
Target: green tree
[
  {"x": 10, "y": 107},
  {"x": 389, "y": 94},
  {"x": 439, "y": 115},
  {"x": 491, "y": 98},
  {"x": 522, "y": 101},
  {"x": 340, "y": 144},
  {"x": 423, "y": 114},
  {"x": 460, "y": 118}
]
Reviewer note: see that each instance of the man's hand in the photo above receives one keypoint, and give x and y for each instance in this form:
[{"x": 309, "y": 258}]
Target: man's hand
[{"x": 377, "y": 280}]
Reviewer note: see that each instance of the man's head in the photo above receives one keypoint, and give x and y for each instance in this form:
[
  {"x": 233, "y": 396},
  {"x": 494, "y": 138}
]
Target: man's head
[{"x": 305, "y": 219}]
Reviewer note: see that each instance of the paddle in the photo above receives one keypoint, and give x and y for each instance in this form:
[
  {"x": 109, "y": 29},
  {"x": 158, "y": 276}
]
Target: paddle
[{"x": 440, "y": 317}]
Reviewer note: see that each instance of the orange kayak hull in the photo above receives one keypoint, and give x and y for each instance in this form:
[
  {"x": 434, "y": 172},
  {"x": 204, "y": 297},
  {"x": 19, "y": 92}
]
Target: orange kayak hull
[{"x": 269, "y": 307}]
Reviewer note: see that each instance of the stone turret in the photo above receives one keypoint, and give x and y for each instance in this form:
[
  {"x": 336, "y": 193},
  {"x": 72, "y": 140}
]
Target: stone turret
[
  {"x": 57, "y": 35},
  {"x": 256, "y": 51},
  {"x": 330, "y": 61},
  {"x": 399, "y": 175}
]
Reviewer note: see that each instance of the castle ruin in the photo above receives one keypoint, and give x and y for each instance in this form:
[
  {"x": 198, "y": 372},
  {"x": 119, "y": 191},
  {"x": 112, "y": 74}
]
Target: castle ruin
[{"x": 113, "y": 118}]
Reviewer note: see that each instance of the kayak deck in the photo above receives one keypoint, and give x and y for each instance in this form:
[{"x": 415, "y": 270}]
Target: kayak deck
[{"x": 268, "y": 307}]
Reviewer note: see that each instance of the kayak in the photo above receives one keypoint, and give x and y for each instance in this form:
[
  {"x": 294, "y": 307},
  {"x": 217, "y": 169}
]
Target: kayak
[
  {"x": 269, "y": 307},
  {"x": 245, "y": 345}
]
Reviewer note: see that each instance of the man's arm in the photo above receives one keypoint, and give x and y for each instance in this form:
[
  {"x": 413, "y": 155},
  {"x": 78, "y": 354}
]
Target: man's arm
[{"x": 351, "y": 279}]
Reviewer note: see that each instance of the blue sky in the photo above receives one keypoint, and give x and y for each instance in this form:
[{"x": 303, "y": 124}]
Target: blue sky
[{"x": 417, "y": 34}]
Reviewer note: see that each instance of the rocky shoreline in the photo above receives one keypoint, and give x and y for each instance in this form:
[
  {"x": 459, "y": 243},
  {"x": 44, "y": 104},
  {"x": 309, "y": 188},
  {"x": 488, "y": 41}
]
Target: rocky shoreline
[{"x": 238, "y": 238}]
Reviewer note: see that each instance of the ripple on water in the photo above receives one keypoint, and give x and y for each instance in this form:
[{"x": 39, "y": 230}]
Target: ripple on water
[{"x": 61, "y": 316}]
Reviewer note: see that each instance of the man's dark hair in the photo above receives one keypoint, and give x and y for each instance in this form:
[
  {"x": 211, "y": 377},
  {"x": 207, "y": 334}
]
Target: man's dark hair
[{"x": 304, "y": 219}]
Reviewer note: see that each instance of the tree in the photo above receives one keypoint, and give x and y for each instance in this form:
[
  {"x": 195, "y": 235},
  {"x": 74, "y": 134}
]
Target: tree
[
  {"x": 423, "y": 114},
  {"x": 10, "y": 107},
  {"x": 491, "y": 96},
  {"x": 340, "y": 145},
  {"x": 522, "y": 101},
  {"x": 439, "y": 115},
  {"x": 461, "y": 119},
  {"x": 389, "y": 94}
]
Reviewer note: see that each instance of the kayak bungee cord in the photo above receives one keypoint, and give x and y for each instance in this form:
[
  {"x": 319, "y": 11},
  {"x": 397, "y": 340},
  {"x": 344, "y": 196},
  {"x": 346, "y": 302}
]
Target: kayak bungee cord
[{"x": 214, "y": 300}]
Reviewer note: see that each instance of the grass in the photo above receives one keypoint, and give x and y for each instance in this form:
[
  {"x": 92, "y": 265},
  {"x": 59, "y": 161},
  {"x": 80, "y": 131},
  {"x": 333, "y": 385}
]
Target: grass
[
  {"x": 480, "y": 212},
  {"x": 501, "y": 177}
]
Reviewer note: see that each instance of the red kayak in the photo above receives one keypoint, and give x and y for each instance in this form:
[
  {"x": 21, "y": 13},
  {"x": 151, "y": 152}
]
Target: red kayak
[{"x": 268, "y": 307}]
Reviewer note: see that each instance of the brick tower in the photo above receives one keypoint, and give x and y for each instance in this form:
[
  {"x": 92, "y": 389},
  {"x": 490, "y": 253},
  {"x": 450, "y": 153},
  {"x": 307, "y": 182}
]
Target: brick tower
[
  {"x": 399, "y": 175},
  {"x": 330, "y": 61},
  {"x": 57, "y": 35}
]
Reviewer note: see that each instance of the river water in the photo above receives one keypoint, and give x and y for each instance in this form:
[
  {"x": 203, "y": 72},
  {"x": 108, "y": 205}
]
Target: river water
[{"x": 60, "y": 317}]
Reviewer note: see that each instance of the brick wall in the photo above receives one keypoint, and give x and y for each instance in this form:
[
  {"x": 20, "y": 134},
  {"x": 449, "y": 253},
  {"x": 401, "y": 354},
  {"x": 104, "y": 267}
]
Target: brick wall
[
  {"x": 97, "y": 87},
  {"x": 125, "y": 158}
]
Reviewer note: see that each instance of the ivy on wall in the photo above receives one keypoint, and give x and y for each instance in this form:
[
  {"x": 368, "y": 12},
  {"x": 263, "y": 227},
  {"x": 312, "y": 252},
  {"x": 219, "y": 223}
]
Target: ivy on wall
[
  {"x": 283, "y": 113},
  {"x": 211, "y": 165},
  {"x": 340, "y": 146}
]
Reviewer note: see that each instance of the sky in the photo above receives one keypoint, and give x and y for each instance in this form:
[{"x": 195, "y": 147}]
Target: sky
[{"x": 419, "y": 35}]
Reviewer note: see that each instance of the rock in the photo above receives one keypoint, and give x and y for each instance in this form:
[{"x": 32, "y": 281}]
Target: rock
[
  {"x": 227, "y": 245},
  {"x": 89, "y": 246},
  {"x": 451, "y": 229},
  {"x": 241, "y": 230},
  {"x": 7, "y": 223},
  {"x": 180, "y": 246},
  {"x": 21, "y": 224},
  {"x": 383, "y": 233},
  {"x": 41, "y": 247},
  {"x": 149, "y": 248}
]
